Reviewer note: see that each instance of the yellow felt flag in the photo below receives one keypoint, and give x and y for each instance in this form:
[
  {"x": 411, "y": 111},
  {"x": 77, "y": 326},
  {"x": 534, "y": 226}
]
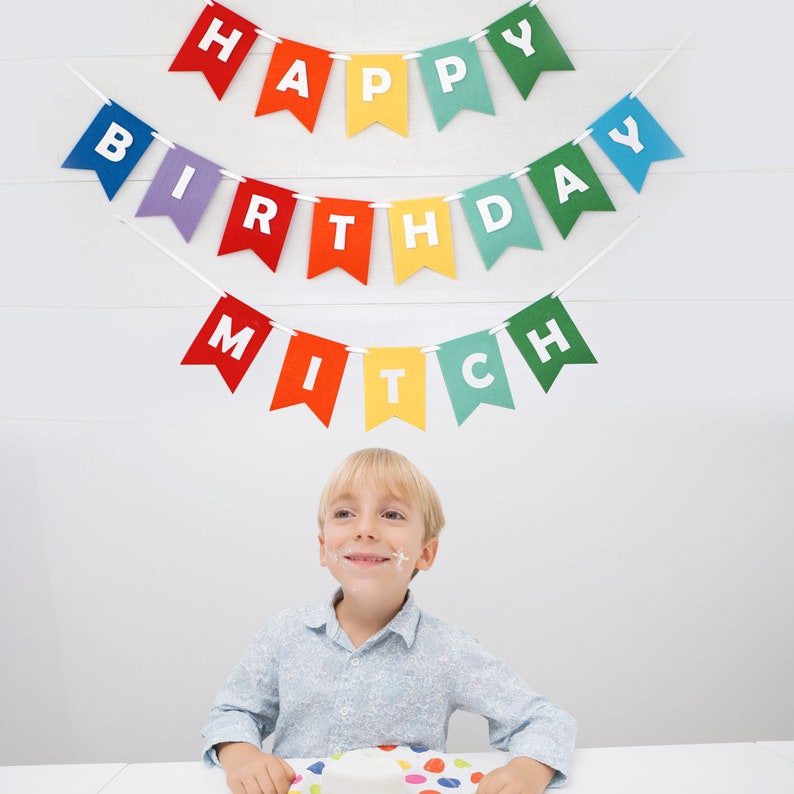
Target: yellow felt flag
[
  {"x": 421, "y": 236},
  {"x": 395, "y": 386},
  {"x": 377, "y": 90}
]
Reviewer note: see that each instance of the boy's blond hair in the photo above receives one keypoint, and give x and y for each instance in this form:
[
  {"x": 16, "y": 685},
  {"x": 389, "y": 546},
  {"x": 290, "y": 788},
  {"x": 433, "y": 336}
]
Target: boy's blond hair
[{"x": 391, "y": 471}]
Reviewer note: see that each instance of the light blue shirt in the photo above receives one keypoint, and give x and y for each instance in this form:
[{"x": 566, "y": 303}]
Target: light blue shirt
[{"x": 304, "y": 681}]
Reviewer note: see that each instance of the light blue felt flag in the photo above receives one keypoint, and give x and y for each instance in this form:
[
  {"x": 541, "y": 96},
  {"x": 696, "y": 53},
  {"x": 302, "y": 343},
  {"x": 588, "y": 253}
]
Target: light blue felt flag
[
  {"x": 474, "y": 373},
  {"x": 454, "y": 80},
  {"x": 112, "y": 145},
  {"x": 632, "y": 138},
  {"x": 499, "y": 217}
]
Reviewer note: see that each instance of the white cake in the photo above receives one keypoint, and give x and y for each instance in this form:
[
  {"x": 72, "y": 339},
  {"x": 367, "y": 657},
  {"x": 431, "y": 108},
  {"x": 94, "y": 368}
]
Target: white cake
[{"x": 368, "y": 771}]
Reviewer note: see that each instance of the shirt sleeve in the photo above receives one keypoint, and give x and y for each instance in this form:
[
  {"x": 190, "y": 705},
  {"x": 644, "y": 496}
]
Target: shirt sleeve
[
  {"x": 521, "y": 722},
  {"x": 246, "y": 707}
]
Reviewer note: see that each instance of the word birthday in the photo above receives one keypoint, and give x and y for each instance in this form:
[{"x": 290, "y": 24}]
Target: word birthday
[{"x": 341, "y": 231}]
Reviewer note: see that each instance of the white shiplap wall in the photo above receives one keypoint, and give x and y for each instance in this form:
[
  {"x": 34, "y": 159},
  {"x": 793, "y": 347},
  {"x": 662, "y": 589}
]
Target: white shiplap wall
[{"x": 624, "y": 541}]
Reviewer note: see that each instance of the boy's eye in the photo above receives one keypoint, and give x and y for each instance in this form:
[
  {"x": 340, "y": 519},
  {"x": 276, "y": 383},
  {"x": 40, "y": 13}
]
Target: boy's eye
[
  {"x": 392, "y": 515},
  {"x": 343, "y": 513}
]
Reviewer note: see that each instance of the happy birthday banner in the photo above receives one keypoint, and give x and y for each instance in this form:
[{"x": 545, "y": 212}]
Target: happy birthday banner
[
  {"x": 377, "y": 84},
  {"x": 394, "y": 378},
  {"x": 341, "y": 231}
]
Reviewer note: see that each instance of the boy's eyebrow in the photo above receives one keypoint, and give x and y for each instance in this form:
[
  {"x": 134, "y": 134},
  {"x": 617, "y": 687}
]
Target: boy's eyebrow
[{"x": 390, "y": 496}]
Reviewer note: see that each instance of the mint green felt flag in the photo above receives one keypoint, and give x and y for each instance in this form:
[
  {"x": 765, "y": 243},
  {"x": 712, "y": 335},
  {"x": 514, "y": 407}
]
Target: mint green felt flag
[
  {"x": 527, "y": 46},
  {"x": 545, "y": 335},
  {"x": 474, "y": 373},
  {"x": 568, "y": 185},
  {"x": 454, "y": 80},
  {"x": 499, "y": 217}
]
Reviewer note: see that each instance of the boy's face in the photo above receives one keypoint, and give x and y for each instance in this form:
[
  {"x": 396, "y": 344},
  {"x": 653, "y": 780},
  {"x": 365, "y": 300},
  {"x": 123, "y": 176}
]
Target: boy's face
[{"x": 372, "y": 541}]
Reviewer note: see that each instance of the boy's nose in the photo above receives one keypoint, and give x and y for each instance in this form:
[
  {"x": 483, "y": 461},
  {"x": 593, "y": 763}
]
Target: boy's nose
[{"x": 365, "y": 528}]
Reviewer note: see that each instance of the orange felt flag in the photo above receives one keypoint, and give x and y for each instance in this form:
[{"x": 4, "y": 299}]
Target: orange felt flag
[
  {"x": 341, "y": 237},
  {"x": 311, "y": 374},
  {"x": 295, "y": 81}
]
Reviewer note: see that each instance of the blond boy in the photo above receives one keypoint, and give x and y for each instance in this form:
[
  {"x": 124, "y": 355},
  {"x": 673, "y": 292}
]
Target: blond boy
[{"x": 368, "y": 667}]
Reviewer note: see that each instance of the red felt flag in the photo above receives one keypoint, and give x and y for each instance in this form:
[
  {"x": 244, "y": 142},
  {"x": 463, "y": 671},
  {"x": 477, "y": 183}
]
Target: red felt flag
[
  {"x": 311, "y": 374},
  {"x": 341, "y": 237},
  {"x": 230, "y": 339},
  {"x": 295, "y": 81},
  {"x": 259, "y": 219},
  {"x": 216, "y": 46}
]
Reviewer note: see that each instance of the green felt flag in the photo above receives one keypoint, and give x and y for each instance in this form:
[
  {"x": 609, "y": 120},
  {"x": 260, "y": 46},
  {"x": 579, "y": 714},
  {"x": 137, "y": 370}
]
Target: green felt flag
[
  {"x": 568, "y": 185},
  {"x": 527, "y": 46},
  {"x": 545, "y": 335}
]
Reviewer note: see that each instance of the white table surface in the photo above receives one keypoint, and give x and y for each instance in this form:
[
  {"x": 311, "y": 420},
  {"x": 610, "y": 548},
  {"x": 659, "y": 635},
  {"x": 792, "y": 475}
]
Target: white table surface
[
  {"x": 786, "y": 749},
  {"x": 744, "y": 768},
  {"x": 57, "y": 778},
  {"x": 741, "y": 768}
]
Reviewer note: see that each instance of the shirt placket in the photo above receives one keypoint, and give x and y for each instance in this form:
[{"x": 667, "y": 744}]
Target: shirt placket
[{"x": 345, "y": 704}]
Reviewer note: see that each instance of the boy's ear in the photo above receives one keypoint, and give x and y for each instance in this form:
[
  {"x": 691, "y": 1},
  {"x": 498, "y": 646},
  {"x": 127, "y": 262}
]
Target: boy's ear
[
  {"x": 428, "y": 555},
  {"x": 321, "y": 538}
]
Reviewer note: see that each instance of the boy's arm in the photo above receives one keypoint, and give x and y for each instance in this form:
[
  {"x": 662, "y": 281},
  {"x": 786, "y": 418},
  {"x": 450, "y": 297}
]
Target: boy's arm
[
  {"x": 521, "y": 775},
  {"x": 521, "y": 722},
  {"x": 250, "y": 771},
  {"x": 246, "y": 707}
]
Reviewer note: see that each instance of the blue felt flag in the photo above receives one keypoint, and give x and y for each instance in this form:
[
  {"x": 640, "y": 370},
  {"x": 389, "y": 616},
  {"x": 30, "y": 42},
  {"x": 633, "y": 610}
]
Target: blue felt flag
[
  {"x": 112, "y": 145},
  {"x": 632, "y": 138}
]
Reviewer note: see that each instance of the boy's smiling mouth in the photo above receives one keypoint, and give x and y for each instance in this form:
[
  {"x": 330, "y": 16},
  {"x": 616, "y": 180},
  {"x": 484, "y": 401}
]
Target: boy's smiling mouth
[{"x": 364, "y": 558}]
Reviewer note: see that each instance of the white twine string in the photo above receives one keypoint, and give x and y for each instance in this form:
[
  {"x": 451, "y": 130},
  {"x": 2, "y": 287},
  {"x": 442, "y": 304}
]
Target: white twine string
[
  {"x": 267, "y": 35},
  {"x": 661, "y": 65},
  {"x": 239, "y": 178},
  {"x": 280, "y": 327},
  {"x": 86, "y": 83},
  {"x": 576, "y": 141},
  {"x": 595, "y": 259},
  {"x": 171, "y": 254},
  {"x": 158, "y": 137}
]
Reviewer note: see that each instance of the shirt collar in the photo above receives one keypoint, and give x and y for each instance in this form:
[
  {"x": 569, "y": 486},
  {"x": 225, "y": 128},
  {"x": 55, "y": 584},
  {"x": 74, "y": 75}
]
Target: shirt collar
[{"x": 404, "y": 623}]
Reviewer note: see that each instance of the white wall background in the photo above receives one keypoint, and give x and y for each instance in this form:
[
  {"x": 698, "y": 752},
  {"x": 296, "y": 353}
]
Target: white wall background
[{"x": 625, "y": 541}]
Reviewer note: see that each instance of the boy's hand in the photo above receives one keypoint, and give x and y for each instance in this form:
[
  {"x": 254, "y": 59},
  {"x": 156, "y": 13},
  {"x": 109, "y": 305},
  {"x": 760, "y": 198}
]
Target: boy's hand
[
  {"x": 250, "y": 771},
  {"x": 520, "y": 776}
]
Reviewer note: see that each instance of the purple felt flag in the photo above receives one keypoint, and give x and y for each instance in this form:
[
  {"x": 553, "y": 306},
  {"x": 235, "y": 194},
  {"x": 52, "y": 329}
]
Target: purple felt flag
[{"x": 181, "y": 189}]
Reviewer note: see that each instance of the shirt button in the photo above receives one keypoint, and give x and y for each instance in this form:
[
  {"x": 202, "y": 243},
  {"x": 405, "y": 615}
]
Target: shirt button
[
  {"x": 354, "y": 661},
  {"x": 344, "y": 711}
]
